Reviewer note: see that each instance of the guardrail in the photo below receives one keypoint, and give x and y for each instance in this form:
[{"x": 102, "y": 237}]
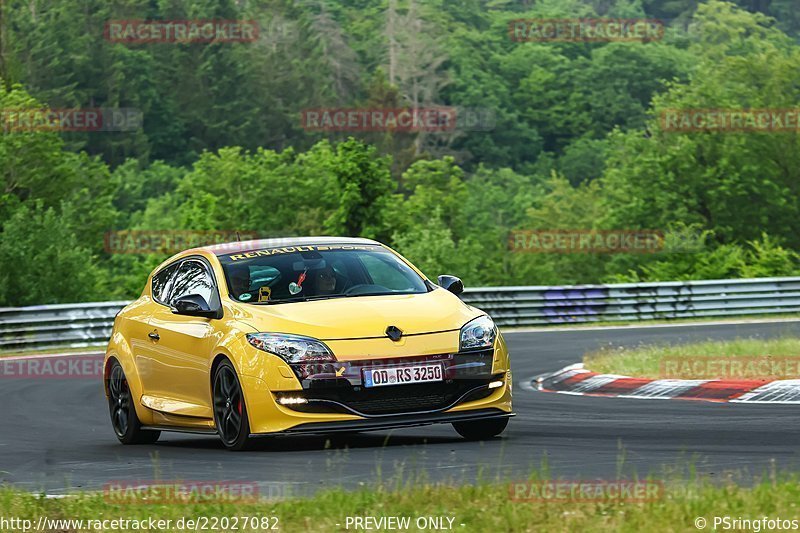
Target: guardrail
[
  {"x": 61, "y": 325},
  {"x": 531, "y": 306},
  {"x": 89, "y": 324}
]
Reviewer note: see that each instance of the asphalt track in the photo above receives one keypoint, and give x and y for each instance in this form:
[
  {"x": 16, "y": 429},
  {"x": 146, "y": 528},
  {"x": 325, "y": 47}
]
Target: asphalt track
[{"x": 55, "y": 435}]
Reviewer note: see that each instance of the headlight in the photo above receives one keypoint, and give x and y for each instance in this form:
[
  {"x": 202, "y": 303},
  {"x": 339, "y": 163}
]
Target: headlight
[
  {"x": 292, "y": 348},
  {"x": 478, "y": 333}
]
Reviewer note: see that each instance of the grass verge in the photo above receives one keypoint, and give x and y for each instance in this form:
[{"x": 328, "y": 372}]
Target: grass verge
[
  {"x": 484, "y": 507},
  {"x": 647, "y": 361}
]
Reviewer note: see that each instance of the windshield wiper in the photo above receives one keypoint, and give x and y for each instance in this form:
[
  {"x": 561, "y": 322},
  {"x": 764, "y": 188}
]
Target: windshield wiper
[
  {"x": 390, "y": 293},
  {"x": 328, "y": 297},
  {"x": 300, "y": 299}
]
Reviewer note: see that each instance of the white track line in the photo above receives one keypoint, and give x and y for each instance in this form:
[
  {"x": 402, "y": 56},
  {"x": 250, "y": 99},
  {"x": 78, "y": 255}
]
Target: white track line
[{"x": 556, "y": 328}]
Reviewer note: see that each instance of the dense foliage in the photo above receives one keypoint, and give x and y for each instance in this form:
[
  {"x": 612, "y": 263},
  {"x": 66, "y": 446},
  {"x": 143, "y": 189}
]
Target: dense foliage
[{"x": 576, "y": 141}]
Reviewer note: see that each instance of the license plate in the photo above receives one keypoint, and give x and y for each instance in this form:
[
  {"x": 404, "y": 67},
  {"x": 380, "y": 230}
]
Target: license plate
[{"x": 402, "y": 375}]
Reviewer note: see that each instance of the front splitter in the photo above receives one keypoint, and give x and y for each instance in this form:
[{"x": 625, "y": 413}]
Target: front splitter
[{"x": 393, "y": 422}]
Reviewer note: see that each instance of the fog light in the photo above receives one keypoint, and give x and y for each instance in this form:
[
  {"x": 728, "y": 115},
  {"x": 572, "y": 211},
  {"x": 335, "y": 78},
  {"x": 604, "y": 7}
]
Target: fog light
[
  {"x": 291, "y": 400},
  {"x": 495, "y": 384}
]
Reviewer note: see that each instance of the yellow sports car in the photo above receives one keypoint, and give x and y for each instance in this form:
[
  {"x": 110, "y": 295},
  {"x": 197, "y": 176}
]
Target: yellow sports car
[{"x": 305, "y": 335}]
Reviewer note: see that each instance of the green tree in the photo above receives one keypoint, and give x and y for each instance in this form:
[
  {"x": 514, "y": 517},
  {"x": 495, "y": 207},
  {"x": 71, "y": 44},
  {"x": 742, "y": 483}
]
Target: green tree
[
  {"x": 364, "y": 188},
  {"x": 736, "y": 184},
  {"x": 42, "y": 261}
]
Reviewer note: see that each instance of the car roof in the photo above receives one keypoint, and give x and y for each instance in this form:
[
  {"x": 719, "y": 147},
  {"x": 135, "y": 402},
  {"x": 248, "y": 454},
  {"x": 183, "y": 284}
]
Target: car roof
[{"x": 260, "y": 244}]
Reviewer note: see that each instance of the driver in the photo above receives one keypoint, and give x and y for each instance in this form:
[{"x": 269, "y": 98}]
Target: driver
[
  {"x": 240, "y": 280},
  {"x": 326, "y": 281}
]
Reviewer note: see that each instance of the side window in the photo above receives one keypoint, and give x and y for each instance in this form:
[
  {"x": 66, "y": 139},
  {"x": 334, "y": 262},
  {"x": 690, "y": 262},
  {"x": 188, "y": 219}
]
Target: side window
[
  {"x": 162, "y": 283},
  {"x": 192, "y": 277}
]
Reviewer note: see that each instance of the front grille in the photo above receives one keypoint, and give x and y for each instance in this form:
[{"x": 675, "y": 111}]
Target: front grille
[
  {"x": 466, "y": 365},
  {"x": 390, "y": 399}
]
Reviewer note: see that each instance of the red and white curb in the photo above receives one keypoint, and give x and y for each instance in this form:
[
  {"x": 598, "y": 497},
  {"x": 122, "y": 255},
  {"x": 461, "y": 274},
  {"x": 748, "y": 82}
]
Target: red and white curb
[{"x": 576, "y": 380}]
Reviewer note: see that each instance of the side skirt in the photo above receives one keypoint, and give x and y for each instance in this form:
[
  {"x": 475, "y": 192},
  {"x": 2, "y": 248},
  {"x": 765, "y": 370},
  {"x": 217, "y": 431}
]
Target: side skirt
[{"x": 172, "y": 429}]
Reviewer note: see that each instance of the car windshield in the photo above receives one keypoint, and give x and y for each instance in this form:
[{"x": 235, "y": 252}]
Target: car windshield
[{"x": 301, "y": 273}]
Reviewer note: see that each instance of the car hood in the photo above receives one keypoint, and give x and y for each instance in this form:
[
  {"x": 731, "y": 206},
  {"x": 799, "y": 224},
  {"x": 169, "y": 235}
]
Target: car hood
[{"x": 362, "y": 317}]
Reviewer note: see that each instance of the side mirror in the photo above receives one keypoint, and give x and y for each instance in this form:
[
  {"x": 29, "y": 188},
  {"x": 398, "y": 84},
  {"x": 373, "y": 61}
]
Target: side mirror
[
  {"x": 452, "y": 284},
  {"x": 195, "y": 305}
]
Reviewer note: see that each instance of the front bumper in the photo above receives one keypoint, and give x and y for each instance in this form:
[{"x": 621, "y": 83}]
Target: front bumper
[
  {"x": 339, "y": 387},
  {"x": 334, "y": 398}
]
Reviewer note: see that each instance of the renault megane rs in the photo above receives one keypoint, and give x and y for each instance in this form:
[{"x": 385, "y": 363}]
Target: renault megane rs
[{"x": 306, "y": 335}]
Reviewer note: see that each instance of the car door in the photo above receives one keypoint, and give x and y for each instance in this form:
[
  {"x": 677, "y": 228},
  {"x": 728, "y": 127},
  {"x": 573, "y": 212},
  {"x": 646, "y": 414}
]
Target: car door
[
  {"x": 142, "y": 339},
  {"x": 178, "y": 380}
]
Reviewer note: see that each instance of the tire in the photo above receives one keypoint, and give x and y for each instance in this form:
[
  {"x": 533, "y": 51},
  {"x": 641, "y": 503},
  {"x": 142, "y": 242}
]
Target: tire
[
  {"x": 481, "y": 429},
  {"x": 230, "y": 410},
  {"x": 126, "y": 424}
]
